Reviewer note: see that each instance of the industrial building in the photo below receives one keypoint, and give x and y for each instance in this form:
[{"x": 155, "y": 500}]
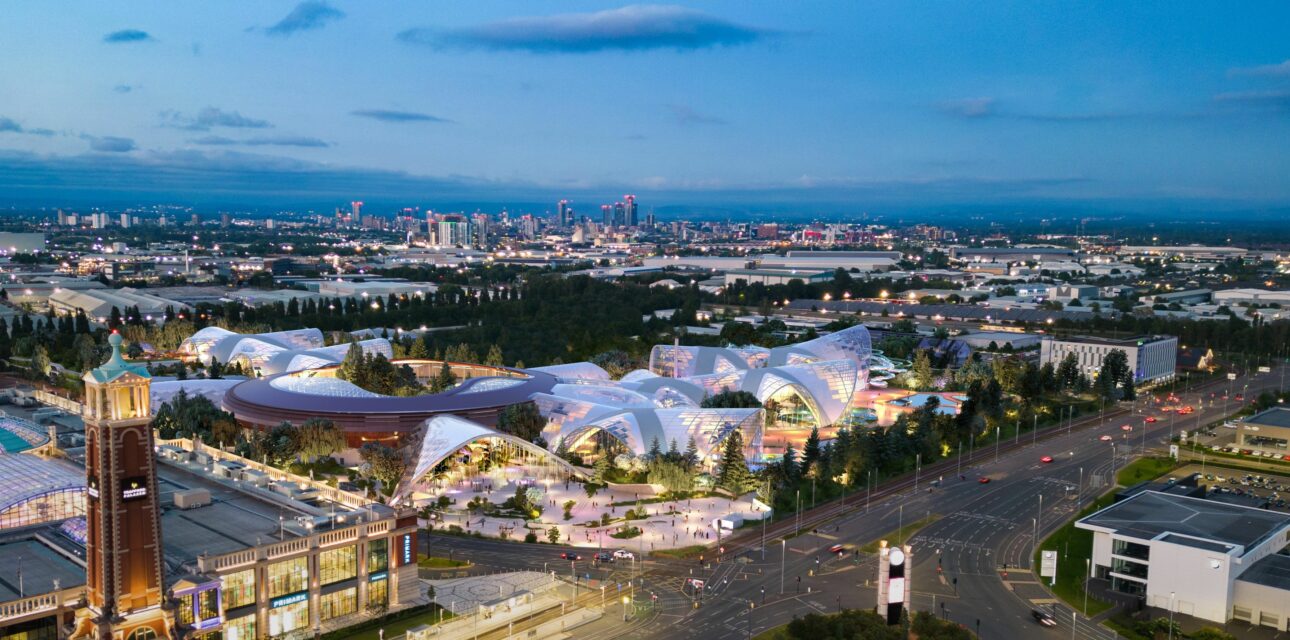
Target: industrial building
[
  {"x": 97, "y": 304},
  {"x": 1267, "y": 431},
  {"x": 1152, "y": 358},
  {"x": 1197, "y": 557}
]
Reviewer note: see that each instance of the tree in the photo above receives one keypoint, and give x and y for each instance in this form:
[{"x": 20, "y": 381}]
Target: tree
[
  {"x": 386, "y": 464},
  {"x": 522, "y": 421},
  {"x": 494, "y": 357},
  {"x": 728, "y": 399},
  {"x": 811, "y": 451},
  {"x": 735, "y": 476},
  {"x": 418, "y": 350},
  {"x": 444, "y": 381},
  {"x": 600, "y": 469},
  {"x": 921, "y": 372},
  {"x": 1068, "y": 373},
  {"x": 87, "y": 351},
  {"x": 40, "y": 365},
  {"x": 553, "y": 534},
  {"x": 319, "y": 438}
]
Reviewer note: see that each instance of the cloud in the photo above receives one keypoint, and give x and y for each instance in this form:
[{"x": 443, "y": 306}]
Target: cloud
[
  {"x": 307, "y": 16},
  {"x": 1281, "y": 69},
  {"x": 263, "y": 141},
  {"x": 211, "y": 117},
  {"x": 110, "y": 144},
  {"x": 686, "y": 115},
  {"x": 385, "y": 115},
  {"x": 127, "y": 35},
  {"x": 124, "y": 88},
  {"x": 630, "y": 28},
  {"x": 1276, "y": 100},
  {"x": 968, "y": 107},
  {"x": 982, "y": 108},
  {"x": 8, "y": 125}
]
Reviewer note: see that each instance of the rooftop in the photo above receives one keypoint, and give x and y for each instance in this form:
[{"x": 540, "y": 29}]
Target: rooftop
[
  {"x": 30, "y": 567},
  {"x": 1274, "y": 417},
  {"x": 1273, "y": 571},
  {"x": 1150, "y": 515},
  {"x": 1132, "y": 341}
]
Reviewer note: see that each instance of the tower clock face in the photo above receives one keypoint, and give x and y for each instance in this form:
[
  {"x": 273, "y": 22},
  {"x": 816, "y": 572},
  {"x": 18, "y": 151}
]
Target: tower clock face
[{"x": 897, "y": 557}]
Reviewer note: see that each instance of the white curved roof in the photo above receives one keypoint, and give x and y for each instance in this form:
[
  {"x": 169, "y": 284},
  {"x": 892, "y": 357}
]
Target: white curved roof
[
  {"x": 322, "y": 386},
  {"x": 200, "y": 342},
  {"x": 446, "y": 434},
  {"x": 27, "y": 477},
  {"x": 257, "y": 346},
  {"x": 576, "y": 371},
  {"x": 20, "y": 435},
  {"x": 292, "y": 360},
  {"x": 637, "y": 375}
]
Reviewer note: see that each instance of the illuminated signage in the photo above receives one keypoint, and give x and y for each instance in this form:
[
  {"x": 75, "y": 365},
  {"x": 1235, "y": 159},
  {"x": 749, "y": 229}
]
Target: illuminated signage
[
  {"x": 134, "y": 488},
  {"x": 896, "y": 591},
  {"x": 93, "y": 488},
  {"x": 288, "y": 599},
  {"x": 407, "y": 549},
  {"x": 378, "y": 576}
]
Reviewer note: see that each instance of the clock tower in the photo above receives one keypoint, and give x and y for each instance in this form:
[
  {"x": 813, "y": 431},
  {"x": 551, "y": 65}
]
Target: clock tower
[{"x": 124, "y": 589}]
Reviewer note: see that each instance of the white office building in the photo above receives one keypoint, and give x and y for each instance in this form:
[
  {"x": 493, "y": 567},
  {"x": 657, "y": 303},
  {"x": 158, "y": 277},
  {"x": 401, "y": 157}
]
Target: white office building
[
  {"x": 1152, "y": 358},
  {"x": 1211, "y": 560}
]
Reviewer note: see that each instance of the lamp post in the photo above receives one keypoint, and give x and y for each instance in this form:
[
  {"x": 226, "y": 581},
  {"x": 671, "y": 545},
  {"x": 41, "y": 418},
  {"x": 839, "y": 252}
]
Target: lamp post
[
  {"x": 624, "y": 608},
  {"x": 797, "y": 523},
  {"x": 783, "y": 553},
  {"x": 1086, "y": 572},
  {"x": 996, "y": 444},
  {"x": 1171, "y": 615},
  {"x": 1034, "y": 430}
]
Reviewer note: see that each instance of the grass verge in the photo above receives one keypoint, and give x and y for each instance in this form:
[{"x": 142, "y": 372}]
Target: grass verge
[
  {"x": 436, "y": 562},
  {"x": 774, "y": 633},
  {"x": 1074, "y": 546},
  {"x": 681, "y": 553},
  {"x": 901, "y": 535},
  {"x": 394, "y": 625},
  {"x": 1144, "y": 469}
]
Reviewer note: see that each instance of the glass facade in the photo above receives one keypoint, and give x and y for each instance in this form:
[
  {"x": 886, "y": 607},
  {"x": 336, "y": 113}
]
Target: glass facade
[
  {"x": 240, "y": 629},
  {"x": 1130, "y": 549},
  {"x": 43, "y": 629},
  {"x": 50, "y": 507},
  {"x": 378, "y": 593},
  {"x": 208, "y": 604},
  {"x": 288, "y": 576},
  {"x": 340, "y": 603},
  {"x": 335, "y": 565},
  {"x": 378, "y": 555},
  {"x": 289, "y": 617},
  {"x": 239, "y": 589},
  {"x": 184, "y": 615},
  {"x": 1129, "y": 568}
]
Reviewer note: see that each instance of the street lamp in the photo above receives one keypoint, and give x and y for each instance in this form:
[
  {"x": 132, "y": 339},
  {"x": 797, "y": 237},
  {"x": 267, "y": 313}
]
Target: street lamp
[
  {"x": 783, "y": 552},
  {"x": 625, "y": 600},
  {"x": 1171, "y": 615}
]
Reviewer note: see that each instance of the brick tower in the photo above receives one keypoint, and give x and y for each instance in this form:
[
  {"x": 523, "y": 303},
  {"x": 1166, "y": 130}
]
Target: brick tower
[{"x": 124, "y": 589}]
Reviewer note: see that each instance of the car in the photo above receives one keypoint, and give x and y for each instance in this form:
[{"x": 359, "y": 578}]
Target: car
[
  {"x": 1046, "y": 459},
  {"x": 838, "y": 549},
  {"x": 569, "y": 555},
  {"x": 1126, "y": 427},
  {"x": 604, "y": 556},
  {"x": 1043, "y": 618},
  {"x": 983, "y": 480},
  {"x": 1151, "y": 418},
  {"x": 1240, "y": 397},
  {"x": 623, "y": 554},
  {"x": 1106, "y": 438}
]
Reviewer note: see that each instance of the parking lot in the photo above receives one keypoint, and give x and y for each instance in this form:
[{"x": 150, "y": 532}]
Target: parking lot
[{"x": 1259, "y": 486}]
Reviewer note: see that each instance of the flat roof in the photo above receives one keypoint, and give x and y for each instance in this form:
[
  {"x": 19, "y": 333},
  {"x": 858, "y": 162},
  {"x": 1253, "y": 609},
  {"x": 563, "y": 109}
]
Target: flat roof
[
  {"x": 1272, "y": 571},
  {"x": 1151, "y": 514},
  {"x": 36, "y": 566},
  {"x": 1115, "y": 342},
  {"x": 1274, "y": 417}
]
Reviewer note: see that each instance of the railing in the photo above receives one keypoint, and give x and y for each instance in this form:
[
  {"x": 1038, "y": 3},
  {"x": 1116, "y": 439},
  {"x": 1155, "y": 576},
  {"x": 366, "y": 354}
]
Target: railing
[
  {"x": 26, "y": 606},
  {"x": 66, "y": 404}
]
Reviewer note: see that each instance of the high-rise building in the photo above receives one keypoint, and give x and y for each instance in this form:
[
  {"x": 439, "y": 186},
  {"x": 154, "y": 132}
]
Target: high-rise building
[
  {"x": 649, "y": 218},
  {"x": 629, "y": 205},
  {"x": 606, "y": 215},
  {"x": 356, "y": 210},
  {"x": 620, "y": 214},
  {"x": 565, "y": 215},
  {"x": 479, "y": 230},
  {"x": 453, "y": 231},
  {"x": 123, "y": 552},
  {"x": 126, "y": 221},
  {"x": 225, "y": 220}
]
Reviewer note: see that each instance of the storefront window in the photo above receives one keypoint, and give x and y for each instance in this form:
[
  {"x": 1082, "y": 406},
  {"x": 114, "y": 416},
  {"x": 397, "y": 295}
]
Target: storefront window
[
  {"x": 337, "y": 564},
  {"x": 341, "y": 603},
  {"x": 378, "y": 555},
  {"x": 378, "y": 593},
  {"x": 184, "y": 615},
  {"x": 289, "y": 617},
  {"x": 239, "y": 589},
  {"x": 240, "y": 629},
  {"x": 208, "y": 604},
  {"x": 288, "y": 576}
]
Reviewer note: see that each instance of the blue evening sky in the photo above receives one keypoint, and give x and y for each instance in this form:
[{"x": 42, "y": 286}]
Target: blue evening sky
[{"x": 862, "y": 104}]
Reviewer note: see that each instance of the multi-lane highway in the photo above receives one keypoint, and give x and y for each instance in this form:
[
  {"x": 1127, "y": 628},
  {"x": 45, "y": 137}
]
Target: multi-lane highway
[{"x": 981, "y": 527}]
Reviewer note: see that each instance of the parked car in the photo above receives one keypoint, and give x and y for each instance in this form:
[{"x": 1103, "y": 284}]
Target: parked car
[{"x": 623, "y": 554}]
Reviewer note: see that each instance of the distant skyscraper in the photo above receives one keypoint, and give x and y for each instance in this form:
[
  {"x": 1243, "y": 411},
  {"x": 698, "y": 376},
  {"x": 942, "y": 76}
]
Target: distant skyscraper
[
  {"x": 194, "y": 219},
  {"x": 606, "y": 215},
  {"x": 565, "y": 216},
  {"x": 629, "y": 217},
  {"x": 454, "y": 231},
  {"x": 649, "y": 218},
  {"x": 125, "y": 221},
  {"x": 356, "y": 210},
  {"x": 225, "y": 220},
  {"x": 479, "y": 229},
  {"x": 620, "y": 214}
]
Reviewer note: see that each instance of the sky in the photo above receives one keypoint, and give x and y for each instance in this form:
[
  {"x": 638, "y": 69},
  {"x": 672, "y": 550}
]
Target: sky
[{"x": 843, "y": 106}]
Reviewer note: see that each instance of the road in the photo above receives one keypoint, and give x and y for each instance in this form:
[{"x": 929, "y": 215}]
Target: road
[{"x": 981, "y": 527}]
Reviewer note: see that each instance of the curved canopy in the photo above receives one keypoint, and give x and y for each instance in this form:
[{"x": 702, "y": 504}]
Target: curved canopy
[
  {"x": 445, "y": 435},
  {"x": 28, "y": 477}
]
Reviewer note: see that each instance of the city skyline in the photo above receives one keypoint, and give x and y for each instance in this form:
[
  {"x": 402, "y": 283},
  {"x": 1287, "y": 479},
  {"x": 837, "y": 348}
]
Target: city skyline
[{"x": 851, "y": 107}]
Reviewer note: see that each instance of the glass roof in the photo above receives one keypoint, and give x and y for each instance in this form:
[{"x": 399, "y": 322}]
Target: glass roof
[{"x": 27, "y": 477}]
